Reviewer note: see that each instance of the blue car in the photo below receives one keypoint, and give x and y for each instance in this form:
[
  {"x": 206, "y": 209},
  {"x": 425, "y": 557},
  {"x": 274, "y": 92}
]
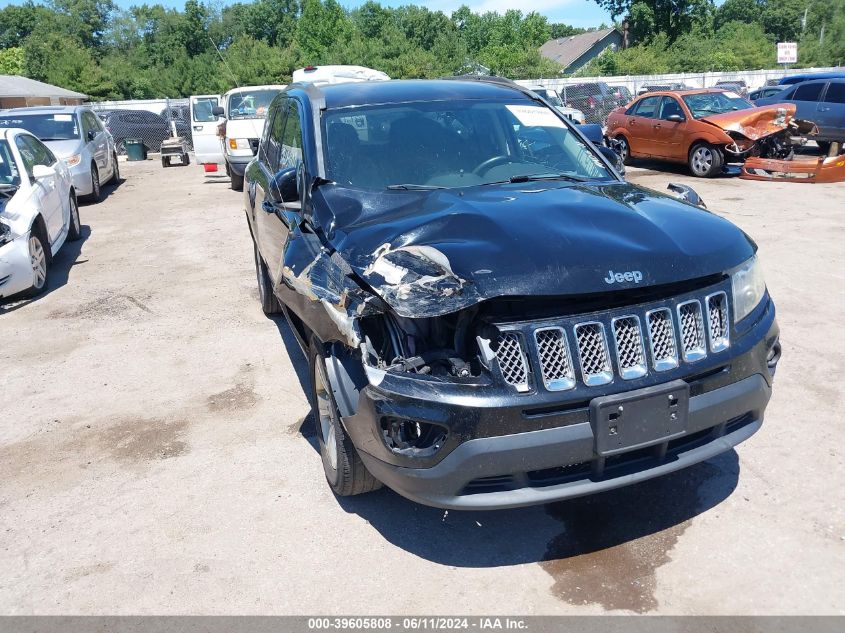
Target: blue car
[{"x": 821, "y": 101}]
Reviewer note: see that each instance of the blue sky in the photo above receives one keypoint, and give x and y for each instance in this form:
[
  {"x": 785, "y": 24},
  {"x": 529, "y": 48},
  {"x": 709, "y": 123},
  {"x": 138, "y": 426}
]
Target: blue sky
[{"x": 584, "y": 13}]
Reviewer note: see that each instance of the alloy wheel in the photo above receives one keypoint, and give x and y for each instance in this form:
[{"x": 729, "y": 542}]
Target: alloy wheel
[
  {"x": 702, "y": 160},
  {"x": 38, "y": 261},
  {"x": 325, "y": 411}
]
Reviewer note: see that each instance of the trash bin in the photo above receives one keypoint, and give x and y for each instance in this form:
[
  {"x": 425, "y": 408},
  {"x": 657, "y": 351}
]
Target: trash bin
[{"x": 135, "y": 149}]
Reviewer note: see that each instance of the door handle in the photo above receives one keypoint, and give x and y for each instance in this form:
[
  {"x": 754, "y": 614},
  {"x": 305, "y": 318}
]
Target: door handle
[
  {"x": 656, "y": 126},
  {"x": 197, "y": 128}
]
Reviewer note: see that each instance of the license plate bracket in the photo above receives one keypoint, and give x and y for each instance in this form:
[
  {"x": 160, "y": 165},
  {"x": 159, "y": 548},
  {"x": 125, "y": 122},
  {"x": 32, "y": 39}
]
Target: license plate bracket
[{"x": 637, "y": 419}]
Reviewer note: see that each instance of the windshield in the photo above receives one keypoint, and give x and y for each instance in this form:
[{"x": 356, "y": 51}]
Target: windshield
[
  {"x": 47, "y": 127},
  {"x": 250, "y": 105},
  {"x": 707, "y": 103},
  {"x": 453, "y": 144},
  {"x": 9, "y": 175}
]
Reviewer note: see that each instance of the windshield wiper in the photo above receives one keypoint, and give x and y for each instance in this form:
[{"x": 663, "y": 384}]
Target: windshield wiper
[
  {"x": 533, "y": 177},
  {"x": 412, "y": 187}
]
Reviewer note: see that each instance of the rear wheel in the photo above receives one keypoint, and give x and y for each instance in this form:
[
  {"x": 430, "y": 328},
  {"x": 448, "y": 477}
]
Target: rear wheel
[
  {"x": 115, "y": 176},
  {"x": 705, "y": 160},
  {"x": 74, "y": 231},
  {"x": 95, "y": 194},
  {"x": 624, "y": 149},
  {"x": 344, "y": 470},
  {"x": 824, "y": 147},
  {"x": 165, "y": 162}
]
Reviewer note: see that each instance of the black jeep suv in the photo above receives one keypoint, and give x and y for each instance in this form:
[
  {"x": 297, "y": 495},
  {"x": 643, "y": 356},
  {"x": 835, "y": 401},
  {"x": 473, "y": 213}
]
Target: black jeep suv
[{"x": 492, "y": 315}]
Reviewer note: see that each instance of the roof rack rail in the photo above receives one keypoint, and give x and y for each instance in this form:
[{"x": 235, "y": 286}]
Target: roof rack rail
[{"x": 501, "y": 81}]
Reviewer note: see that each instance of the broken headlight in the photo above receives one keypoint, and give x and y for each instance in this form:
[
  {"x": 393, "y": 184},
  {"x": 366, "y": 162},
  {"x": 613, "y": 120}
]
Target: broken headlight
[
  {"x": 5, "y": 234},
  {"x": 748, "y": 287}
]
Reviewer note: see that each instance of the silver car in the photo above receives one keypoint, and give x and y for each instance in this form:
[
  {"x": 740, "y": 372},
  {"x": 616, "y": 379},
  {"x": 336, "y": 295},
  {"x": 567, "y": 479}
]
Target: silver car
[{"x": 75, "y": 135}]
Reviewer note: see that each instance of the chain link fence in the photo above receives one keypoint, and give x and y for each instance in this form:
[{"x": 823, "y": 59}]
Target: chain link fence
[
  {"x": 150, "y": 120},
  {"x": 597, "y": 96}
]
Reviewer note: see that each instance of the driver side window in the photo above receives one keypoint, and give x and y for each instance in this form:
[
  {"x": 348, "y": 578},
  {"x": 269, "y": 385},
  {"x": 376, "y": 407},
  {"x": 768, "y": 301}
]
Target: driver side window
[
  {"x": 34, "y": 153},
  {"x": 669, "y": 107}
]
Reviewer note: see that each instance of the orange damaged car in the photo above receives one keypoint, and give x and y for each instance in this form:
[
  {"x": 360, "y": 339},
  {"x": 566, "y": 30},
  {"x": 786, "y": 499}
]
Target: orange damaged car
[{"x": 698, "y": 127}]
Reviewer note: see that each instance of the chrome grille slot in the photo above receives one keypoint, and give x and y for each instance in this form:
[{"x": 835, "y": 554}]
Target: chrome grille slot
[
  {"x": 717, "y": 321},
  {"x": 664, "y": 351},
  {"x": 592, "y": 353},
  {"x": 692, "y": 330},
  {"x": 555, "y": 363},
  {"x": 512, "y": 360},
  {"x": 629, "y": 347}
]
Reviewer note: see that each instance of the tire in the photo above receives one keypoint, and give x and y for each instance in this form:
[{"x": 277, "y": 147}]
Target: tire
[
  {"x": 165, "y": 162},
  {"x": 624, "y": 149},
  {"x": 186, "y": 160},
  {"x": 344, "y": 470},
  {"x": 237, "y": 183},
  {"x": 269, "y": 301},
  {"x": 115, "y": 177},
  {"x": 824, "y": 147},
  {"x": 39, "y": 256},
  {"x": 705, "y": 160},
  {"x": 96, "y": 190},
  {"x": 74, "y": 231}
]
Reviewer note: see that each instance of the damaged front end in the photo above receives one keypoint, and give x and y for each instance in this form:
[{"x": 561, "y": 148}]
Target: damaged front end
[
  {"x": 768, "y": 132},
  {"x": 810, "y": 169}
]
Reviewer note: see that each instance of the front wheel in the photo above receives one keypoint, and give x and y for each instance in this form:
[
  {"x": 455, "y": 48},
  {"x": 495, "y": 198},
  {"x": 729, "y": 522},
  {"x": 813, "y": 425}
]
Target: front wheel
[
  {"x": 38, "y": 260},
  {"x": 95, "y": 194},
  {"x": 705, "y": 160},
  {"x": 74, "y": 231},
  {"x": 237, "y": 183},
  {"x": 115, "y": 174},
  {"x": 269, "y": 302},
  {"x": 344, "y": 470}
]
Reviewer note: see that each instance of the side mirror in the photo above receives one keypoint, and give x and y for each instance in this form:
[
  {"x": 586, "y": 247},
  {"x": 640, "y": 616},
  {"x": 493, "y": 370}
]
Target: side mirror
[
  {"x": 42, "y": 171},
  {"x": 91, "y": 135},
  {"x": 217, "y": 111},
  {"x": 675, "y": 118},
  {"x": 614, "y": 158},
  {"x": 687, "y": 194},
  {"x": 284, "y": 186}
]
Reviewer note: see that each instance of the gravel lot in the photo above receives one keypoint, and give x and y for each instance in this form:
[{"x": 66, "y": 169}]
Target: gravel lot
[{"x": 155, "y": 457}]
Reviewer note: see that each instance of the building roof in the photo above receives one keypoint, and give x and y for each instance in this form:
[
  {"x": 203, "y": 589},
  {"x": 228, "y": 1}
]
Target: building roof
[
  {"x": 17, "y": 86},
  {"x": 566, "y": 50}
]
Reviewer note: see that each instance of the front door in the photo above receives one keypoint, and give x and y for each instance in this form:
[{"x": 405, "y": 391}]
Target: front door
[
  {"x": 831, "y": 111},
  {"x": 204, "y": 124}
]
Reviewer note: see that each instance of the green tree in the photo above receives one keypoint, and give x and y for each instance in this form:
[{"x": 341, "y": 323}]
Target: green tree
[
  {"x": 673, "y": 17},
  {"x": 11, "y": 61}
]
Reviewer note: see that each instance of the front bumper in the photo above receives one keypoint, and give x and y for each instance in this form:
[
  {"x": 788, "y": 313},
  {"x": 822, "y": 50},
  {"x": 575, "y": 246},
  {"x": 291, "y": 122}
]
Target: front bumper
[
  {"x": 514, "y": 450},
  {"x": 559, "y": 463},
  {"x": 15, "y": 269},
  {"x": 81, "y": 177}
]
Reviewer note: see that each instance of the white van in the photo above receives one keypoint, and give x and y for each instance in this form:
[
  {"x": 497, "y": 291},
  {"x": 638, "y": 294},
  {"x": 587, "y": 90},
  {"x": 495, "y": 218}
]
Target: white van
[
  {"x": 244, "y": 110},
  {"x": 324, "y": 75}
]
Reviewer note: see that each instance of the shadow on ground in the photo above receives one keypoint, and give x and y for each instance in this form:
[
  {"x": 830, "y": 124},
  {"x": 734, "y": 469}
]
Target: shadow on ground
[{"x": 58, "y": 272}]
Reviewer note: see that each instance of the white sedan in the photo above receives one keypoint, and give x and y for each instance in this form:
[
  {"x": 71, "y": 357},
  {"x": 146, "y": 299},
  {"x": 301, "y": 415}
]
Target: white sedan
[{"x": 38, "y": 212}]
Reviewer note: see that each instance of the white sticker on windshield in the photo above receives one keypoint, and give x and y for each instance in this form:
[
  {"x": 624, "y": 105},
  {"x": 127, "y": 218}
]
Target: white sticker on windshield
[
  {"x": 732, "y": 95},
  {"x": 63, "y": 117},
  {"x": 532, "y": 116}
]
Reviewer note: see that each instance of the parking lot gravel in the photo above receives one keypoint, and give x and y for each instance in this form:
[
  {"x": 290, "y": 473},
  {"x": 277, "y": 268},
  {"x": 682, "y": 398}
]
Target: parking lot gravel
[{"x": 156, "y": 453}]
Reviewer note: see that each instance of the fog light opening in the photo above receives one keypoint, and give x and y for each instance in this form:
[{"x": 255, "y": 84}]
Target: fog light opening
[
  {"x": 413, "y": 437},
  {"x": 773, "y": 357}
]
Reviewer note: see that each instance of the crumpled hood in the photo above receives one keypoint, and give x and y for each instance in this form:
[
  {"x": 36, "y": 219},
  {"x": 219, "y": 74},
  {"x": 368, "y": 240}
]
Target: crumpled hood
[
  {"x": 755, "y": 123},
  {"x": 432, "y": 253}
]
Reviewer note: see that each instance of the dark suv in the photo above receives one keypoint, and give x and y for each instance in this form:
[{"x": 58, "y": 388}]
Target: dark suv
[{"x": 492, "y": 316}]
